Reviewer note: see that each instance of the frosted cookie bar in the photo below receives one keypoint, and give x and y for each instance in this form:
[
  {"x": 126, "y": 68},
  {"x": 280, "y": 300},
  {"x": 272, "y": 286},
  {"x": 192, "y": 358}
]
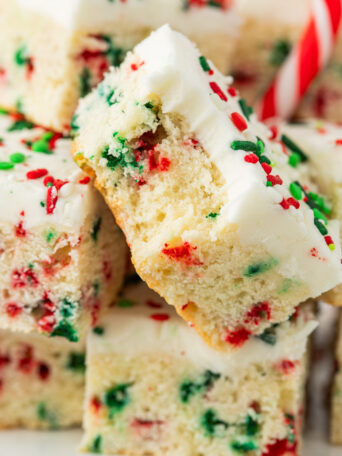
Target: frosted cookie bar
[
  {"x": 214, "y": 213},
  {"x": 52, "y": 54},
  {"x": 322, "y": 142},
  {"x": 62, "y": 258},
  {"x": 41, "y": 381},
  {"x": 154, "y": 387}
]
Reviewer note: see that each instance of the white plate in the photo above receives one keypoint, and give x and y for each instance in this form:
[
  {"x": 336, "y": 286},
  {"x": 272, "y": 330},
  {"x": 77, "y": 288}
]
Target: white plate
[{"x": 65, "y": 443}]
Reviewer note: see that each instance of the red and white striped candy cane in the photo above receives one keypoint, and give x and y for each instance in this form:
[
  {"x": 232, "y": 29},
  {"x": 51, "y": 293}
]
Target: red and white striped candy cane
[{"x": 305, "y": 61}]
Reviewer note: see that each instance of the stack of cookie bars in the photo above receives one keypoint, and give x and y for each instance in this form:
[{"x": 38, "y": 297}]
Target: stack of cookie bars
[{"x": 232, "y": 226}]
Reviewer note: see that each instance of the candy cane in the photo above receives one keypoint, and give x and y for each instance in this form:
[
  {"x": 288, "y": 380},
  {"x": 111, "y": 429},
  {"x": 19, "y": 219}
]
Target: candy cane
[{"x": 305, "y": 61}]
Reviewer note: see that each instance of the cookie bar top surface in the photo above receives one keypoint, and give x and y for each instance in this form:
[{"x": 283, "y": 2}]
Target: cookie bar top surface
[
  {"x": 258, "y": 176},
  {"x": 191, "y": 16},
  {"x": 39, "y": 182},
  {"x": 142, "y": 322}
]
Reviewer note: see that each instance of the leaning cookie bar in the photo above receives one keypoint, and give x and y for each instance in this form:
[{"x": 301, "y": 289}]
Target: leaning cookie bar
[
  {"x": 41, "y": 381},
  {"x": 322, "y": 142},
  {"x": 211, "y": 206},
  {"x": 154, "y": 387},
  {"x": 62, "y": 258},
  {"x": 53, "y": 54}
]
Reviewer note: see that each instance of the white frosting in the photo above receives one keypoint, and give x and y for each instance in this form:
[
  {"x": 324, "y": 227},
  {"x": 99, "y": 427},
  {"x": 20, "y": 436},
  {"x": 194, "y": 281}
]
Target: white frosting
[
  {"x": 172, "y": 71},
  {"x": 285, "y": 11},
  {"x": 131, "y": 332},
  {"x": 133, "y": 14},
  {"x": 318, "y": 140},
  {"x": 18, "y": 193}
]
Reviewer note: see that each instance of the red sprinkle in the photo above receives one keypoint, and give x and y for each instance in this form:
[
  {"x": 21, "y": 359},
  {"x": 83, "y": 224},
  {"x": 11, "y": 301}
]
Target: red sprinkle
[
  {"x": 95, "y": 404},
  {"x": 281, "y": 448},
  {"x": 48, "y": 180},
  {"x": 47, "y": 322},
  {"x": 286, "y": 366},
  {"x": 164, "y": 164},
  {"x": 152, "y": 163},
  {"x": 36, "y": 173},
  {"x": 154, "y": 305},
  {"x": 238, "y": 337},
  {"x": 275, "y": 180},
  {"x": 51, "y": 199},
  {"x": 26, "y": 363},
  {"x": 43, "y": 371},
  {"x": 232, "y": 91},
  {"x": 274, "y": 132},
  {"x": 184, "y": 306},
  {"x": 85, "y": 180},
  {"x": 182, "y": 253},
  {"x": 266, "y": 167},
  {"x": 239, "y": 121},
  {"x": 251, "y": 158},
  {"x": 24, "y": 277},
  {"x": 160, "y": 317},
  {"x": 13, "y": 309},
  {"x": 287, "y": 203},
  {"x": 216, "y": 89},
  {"x": 19, "y": 230},
  {"x": 328, "y": 240},
  {"x": 338, "y": 142},
  {"x": 260, "y": 311}
]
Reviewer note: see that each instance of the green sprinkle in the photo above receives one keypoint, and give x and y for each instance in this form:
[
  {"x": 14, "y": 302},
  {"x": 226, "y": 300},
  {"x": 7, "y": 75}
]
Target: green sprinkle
[
  {"x": 96, "y": 287},
  {"x": 269, "y": 336},
  {"x": 67, "y": 308},
  {"x": 264, "y": 159},
  {"x": 149, "y": 105},
  {"x": 73, "y": 124},
  {"x": 4, "y": 166},
  {"x": 189, "y": 388},
  {"x": 245, "y": 108},
  {"x": 42, "y": 203},
  {"x": 243, "y": 446},
  {"x": 96, "y": 445},
  {"x": 204, "y": 64},
  {"x": 247, "y": 146},
  {"x": 3, "y": 111},
  {"x": 42, "y": 146},
  {"x": 20, "y": 56},
  {"x": 44, "y": 414},
  {"x": 17, "y": 157},
  {"x": 50, "y": 235},
  {"x": 95, "y": 229},
  {"x": 65, "y": 329},
  {"x": 294, "y": 160},
  {"x": 85, "y": 82},
  {"x": 294, "y": 148},
  {"x": 319, "y": 202},
  {"x": 211, "y": 424},
  {"x": 280, "y": 51},
  {"x": 318, "y": 214},
  {"x": 260, "y": 267},
  {"x": 296, "y": 191},
  {"x": 20, "y": 125},
  {"x": 117, "y": 398},
  {"x": 98, "y": 330},
  {"x": 321, "y": 228},
  {"x": 114, "y": 54},
  {"x": 76, "y": 362},
  {"x": 212, "y": 215},
  {"x": 125, "y": 303},
  {"x": 252, "y": 425}
]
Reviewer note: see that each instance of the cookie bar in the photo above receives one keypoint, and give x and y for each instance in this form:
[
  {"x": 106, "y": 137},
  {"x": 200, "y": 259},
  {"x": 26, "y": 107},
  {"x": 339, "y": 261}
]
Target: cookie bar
[
  {"x": 62, "y": 258},
  {"x": 212, "y": 208},
  {"x": 53, "y": 54},
  {"x": 41, "y": 381},
  {"x": 154, "y": 387},
  {"x": 322, "y": 142}
]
